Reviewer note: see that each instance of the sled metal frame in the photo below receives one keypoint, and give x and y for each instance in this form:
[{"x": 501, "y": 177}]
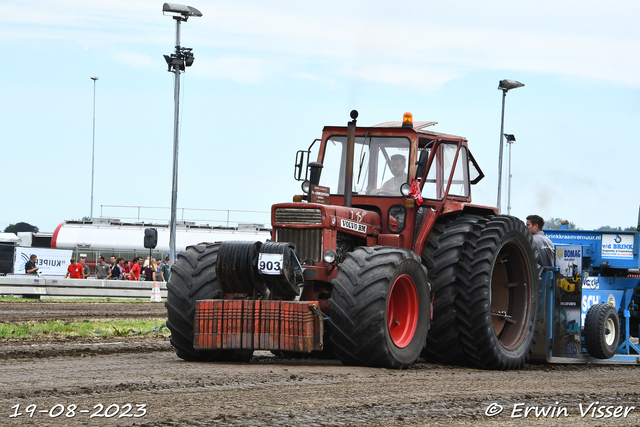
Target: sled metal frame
[{"x": 545, "y": 334}]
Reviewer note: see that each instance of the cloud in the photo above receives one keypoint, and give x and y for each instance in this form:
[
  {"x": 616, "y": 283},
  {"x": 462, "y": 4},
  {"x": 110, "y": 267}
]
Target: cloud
[{"x": 368, "y": 40}]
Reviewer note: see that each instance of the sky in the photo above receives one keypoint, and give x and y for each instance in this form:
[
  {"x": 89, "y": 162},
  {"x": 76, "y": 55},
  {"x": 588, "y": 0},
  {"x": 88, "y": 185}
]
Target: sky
[{"x": 268, "y": 76}]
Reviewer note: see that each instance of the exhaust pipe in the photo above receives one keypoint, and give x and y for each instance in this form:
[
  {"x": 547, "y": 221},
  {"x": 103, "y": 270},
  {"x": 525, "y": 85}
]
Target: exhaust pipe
[{"x": 348, "y": 173}]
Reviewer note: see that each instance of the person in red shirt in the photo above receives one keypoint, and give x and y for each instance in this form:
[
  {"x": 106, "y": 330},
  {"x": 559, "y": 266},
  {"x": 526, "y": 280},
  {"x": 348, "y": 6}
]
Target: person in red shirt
[
  {"x": 75, "y": 270},
  {"x": 136, "y": 267}
]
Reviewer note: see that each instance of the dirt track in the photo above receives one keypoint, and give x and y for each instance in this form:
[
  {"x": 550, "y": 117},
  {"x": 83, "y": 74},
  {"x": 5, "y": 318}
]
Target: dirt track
[
  {"x": 280, "y": 392},
  {"x": 39, "y": 310}
]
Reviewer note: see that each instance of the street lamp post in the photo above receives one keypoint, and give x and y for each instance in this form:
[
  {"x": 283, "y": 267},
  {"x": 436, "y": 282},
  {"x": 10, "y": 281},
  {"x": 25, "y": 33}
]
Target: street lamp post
[
  {"x": 510, "y": 140},
  {"x": 504, "y": 85},
  {"x": 93, "y": 145},
  {"x": 177, "y": 62}
]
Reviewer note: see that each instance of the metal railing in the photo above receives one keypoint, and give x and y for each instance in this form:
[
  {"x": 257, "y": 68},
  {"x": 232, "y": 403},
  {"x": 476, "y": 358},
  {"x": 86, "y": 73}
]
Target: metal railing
[
  {"x": 157, "y": 213},
  {"x": 77, "y": 288}
]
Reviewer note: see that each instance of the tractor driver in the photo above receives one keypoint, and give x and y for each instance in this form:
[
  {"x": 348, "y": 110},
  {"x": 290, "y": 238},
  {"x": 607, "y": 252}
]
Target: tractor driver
[{"x": 397, "y": 166}]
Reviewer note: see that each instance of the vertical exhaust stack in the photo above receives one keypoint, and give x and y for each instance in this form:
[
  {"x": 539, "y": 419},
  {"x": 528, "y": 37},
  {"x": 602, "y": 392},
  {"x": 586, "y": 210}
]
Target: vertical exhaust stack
[{"x": 348, "y": 173}]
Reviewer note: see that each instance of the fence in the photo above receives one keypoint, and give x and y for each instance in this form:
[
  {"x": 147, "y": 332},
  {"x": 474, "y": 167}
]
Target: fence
[
  {"x": 224, "y": 217},
  {"x": 52, "y": 287}
]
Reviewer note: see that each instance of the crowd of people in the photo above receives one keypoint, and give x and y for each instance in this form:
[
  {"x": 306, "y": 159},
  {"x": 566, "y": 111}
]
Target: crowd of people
[{"x": 151, "y": 270}]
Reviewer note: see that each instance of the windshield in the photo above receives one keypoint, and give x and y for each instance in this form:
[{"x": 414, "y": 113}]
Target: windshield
[{"x": 379, "y": 165}]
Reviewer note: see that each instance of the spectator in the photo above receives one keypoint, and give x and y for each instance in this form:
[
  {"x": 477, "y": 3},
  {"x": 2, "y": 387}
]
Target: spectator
[
  {"x": 546, "y": 250},
  {"x": 166, "y": 271},
  {"x": 159, "y": 270},
  {"x": 120, "y": 262},
  {"x": 126, "y": 269},
  {"x": 102, "y": 269},
  {"x": 85, "y": 268},
  {"x": 150, "y": 271},
  {"x": 30, "y": 266},
  {"x": 136, "y": 266},
  {"x": 75, "y": 270},
  {"x": 115, "y": 273}
]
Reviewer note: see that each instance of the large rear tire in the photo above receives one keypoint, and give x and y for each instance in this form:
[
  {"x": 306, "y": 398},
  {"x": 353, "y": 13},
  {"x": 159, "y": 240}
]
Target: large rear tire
[
  {"x": 442, "y": 255},
  {"x": 193, "y": 277},
  {"x": 380, "y": 308},
  {"x": 498, "y": 308}
]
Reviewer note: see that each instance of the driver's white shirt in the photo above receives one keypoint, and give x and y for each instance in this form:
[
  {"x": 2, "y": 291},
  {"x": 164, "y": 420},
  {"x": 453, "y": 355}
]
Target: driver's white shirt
[{"x": 391, "y": 185}]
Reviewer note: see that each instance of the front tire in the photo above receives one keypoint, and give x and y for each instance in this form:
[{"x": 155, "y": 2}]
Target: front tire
[
  {"x": 380, "y": 308},
  {"x": 193, "y": 277}
]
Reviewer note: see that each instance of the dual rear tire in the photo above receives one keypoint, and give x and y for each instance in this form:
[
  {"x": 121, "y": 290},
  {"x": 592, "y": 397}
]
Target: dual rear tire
[{"x": 486, "y": 285}]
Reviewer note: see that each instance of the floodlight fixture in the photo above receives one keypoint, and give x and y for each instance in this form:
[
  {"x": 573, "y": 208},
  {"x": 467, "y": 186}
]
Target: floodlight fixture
[
  {"x": 510, "y": 137},
  {"x": 180, "y": 9},
  {"x": 507, "y": 85}
]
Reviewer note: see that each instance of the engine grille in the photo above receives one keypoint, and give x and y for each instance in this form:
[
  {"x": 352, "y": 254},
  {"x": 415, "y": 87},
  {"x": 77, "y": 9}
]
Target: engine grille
[
  {"x": 308, "y": 241},
  {"x": 298, "y": 216}
]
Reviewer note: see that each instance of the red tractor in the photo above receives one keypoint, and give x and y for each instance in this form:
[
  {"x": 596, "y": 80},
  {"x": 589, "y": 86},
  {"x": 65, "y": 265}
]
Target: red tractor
[{"x": 383, "y": 260}]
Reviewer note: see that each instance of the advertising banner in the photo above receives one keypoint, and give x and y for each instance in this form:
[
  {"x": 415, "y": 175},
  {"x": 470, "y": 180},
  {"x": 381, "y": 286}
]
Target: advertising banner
[
  {"x": 50, "y": 261},
  {"x": 617, "y": 246},
  {"x": 568, "y": 292}
]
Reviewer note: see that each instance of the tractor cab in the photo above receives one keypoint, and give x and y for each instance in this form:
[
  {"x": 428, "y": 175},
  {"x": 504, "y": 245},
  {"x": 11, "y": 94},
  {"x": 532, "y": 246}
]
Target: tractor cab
[{"x": 399, "y": 171}]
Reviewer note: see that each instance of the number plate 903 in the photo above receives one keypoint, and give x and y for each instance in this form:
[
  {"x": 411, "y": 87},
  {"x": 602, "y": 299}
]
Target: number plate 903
[{"x": 270, "y": 264}]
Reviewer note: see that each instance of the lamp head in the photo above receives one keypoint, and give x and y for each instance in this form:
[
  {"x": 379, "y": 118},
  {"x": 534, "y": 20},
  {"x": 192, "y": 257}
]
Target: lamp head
[
  {"x": 94, "y": 78},
  {"x": 507, "y": 85},
  {"x": 180, "y": 9},
  {"x": 510, "y": 137}
]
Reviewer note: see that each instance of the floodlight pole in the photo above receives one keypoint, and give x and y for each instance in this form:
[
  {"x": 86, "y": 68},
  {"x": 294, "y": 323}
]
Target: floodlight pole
[
  {"x": 504, "y": 96},
  {"x": 93, "y": 144},
  {"x": 504, "y": 86},
  {"x": 177, "y": 62},
  {"x": 176, "y": 120},
  {"x": 510, "y": 142}
]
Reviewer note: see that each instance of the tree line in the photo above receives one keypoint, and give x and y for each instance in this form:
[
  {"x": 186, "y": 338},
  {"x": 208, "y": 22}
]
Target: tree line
[{"x": 555, "y": 223}]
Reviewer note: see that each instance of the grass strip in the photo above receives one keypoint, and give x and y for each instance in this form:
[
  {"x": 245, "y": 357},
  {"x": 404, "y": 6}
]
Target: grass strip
[{"x": 82, "y": 328}]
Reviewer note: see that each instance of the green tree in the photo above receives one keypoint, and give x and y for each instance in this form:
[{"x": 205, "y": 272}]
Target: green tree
[
  {"x": 555, "y": 223},
  {"x": 609, "y": 228},
  {"x": 20, "y": 227}
]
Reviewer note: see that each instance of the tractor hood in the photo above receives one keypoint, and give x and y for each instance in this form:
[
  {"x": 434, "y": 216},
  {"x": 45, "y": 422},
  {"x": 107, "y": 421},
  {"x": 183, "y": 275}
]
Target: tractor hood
[{"x": 350, "y": 220}]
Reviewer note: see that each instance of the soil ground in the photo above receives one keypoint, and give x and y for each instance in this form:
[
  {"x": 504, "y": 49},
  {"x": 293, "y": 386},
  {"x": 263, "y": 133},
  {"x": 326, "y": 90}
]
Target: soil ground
[{"x": 54, "y": 376}]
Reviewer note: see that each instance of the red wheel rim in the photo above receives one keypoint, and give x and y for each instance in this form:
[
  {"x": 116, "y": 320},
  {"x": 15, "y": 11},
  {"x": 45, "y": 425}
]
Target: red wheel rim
[{"x": 402, "y": 311}]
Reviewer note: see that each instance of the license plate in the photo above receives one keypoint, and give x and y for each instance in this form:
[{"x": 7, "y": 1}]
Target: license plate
[
  {"x": 270, "y": 264},
  {"x": 355, "y": 226}
]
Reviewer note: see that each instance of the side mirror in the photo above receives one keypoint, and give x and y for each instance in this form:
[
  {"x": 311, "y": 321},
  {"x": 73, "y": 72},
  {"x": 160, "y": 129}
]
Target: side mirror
[
  {"x": 302, "y": 159},
  {"x": 299, "y": 165},
  {"x": 422, "y": 164}
]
